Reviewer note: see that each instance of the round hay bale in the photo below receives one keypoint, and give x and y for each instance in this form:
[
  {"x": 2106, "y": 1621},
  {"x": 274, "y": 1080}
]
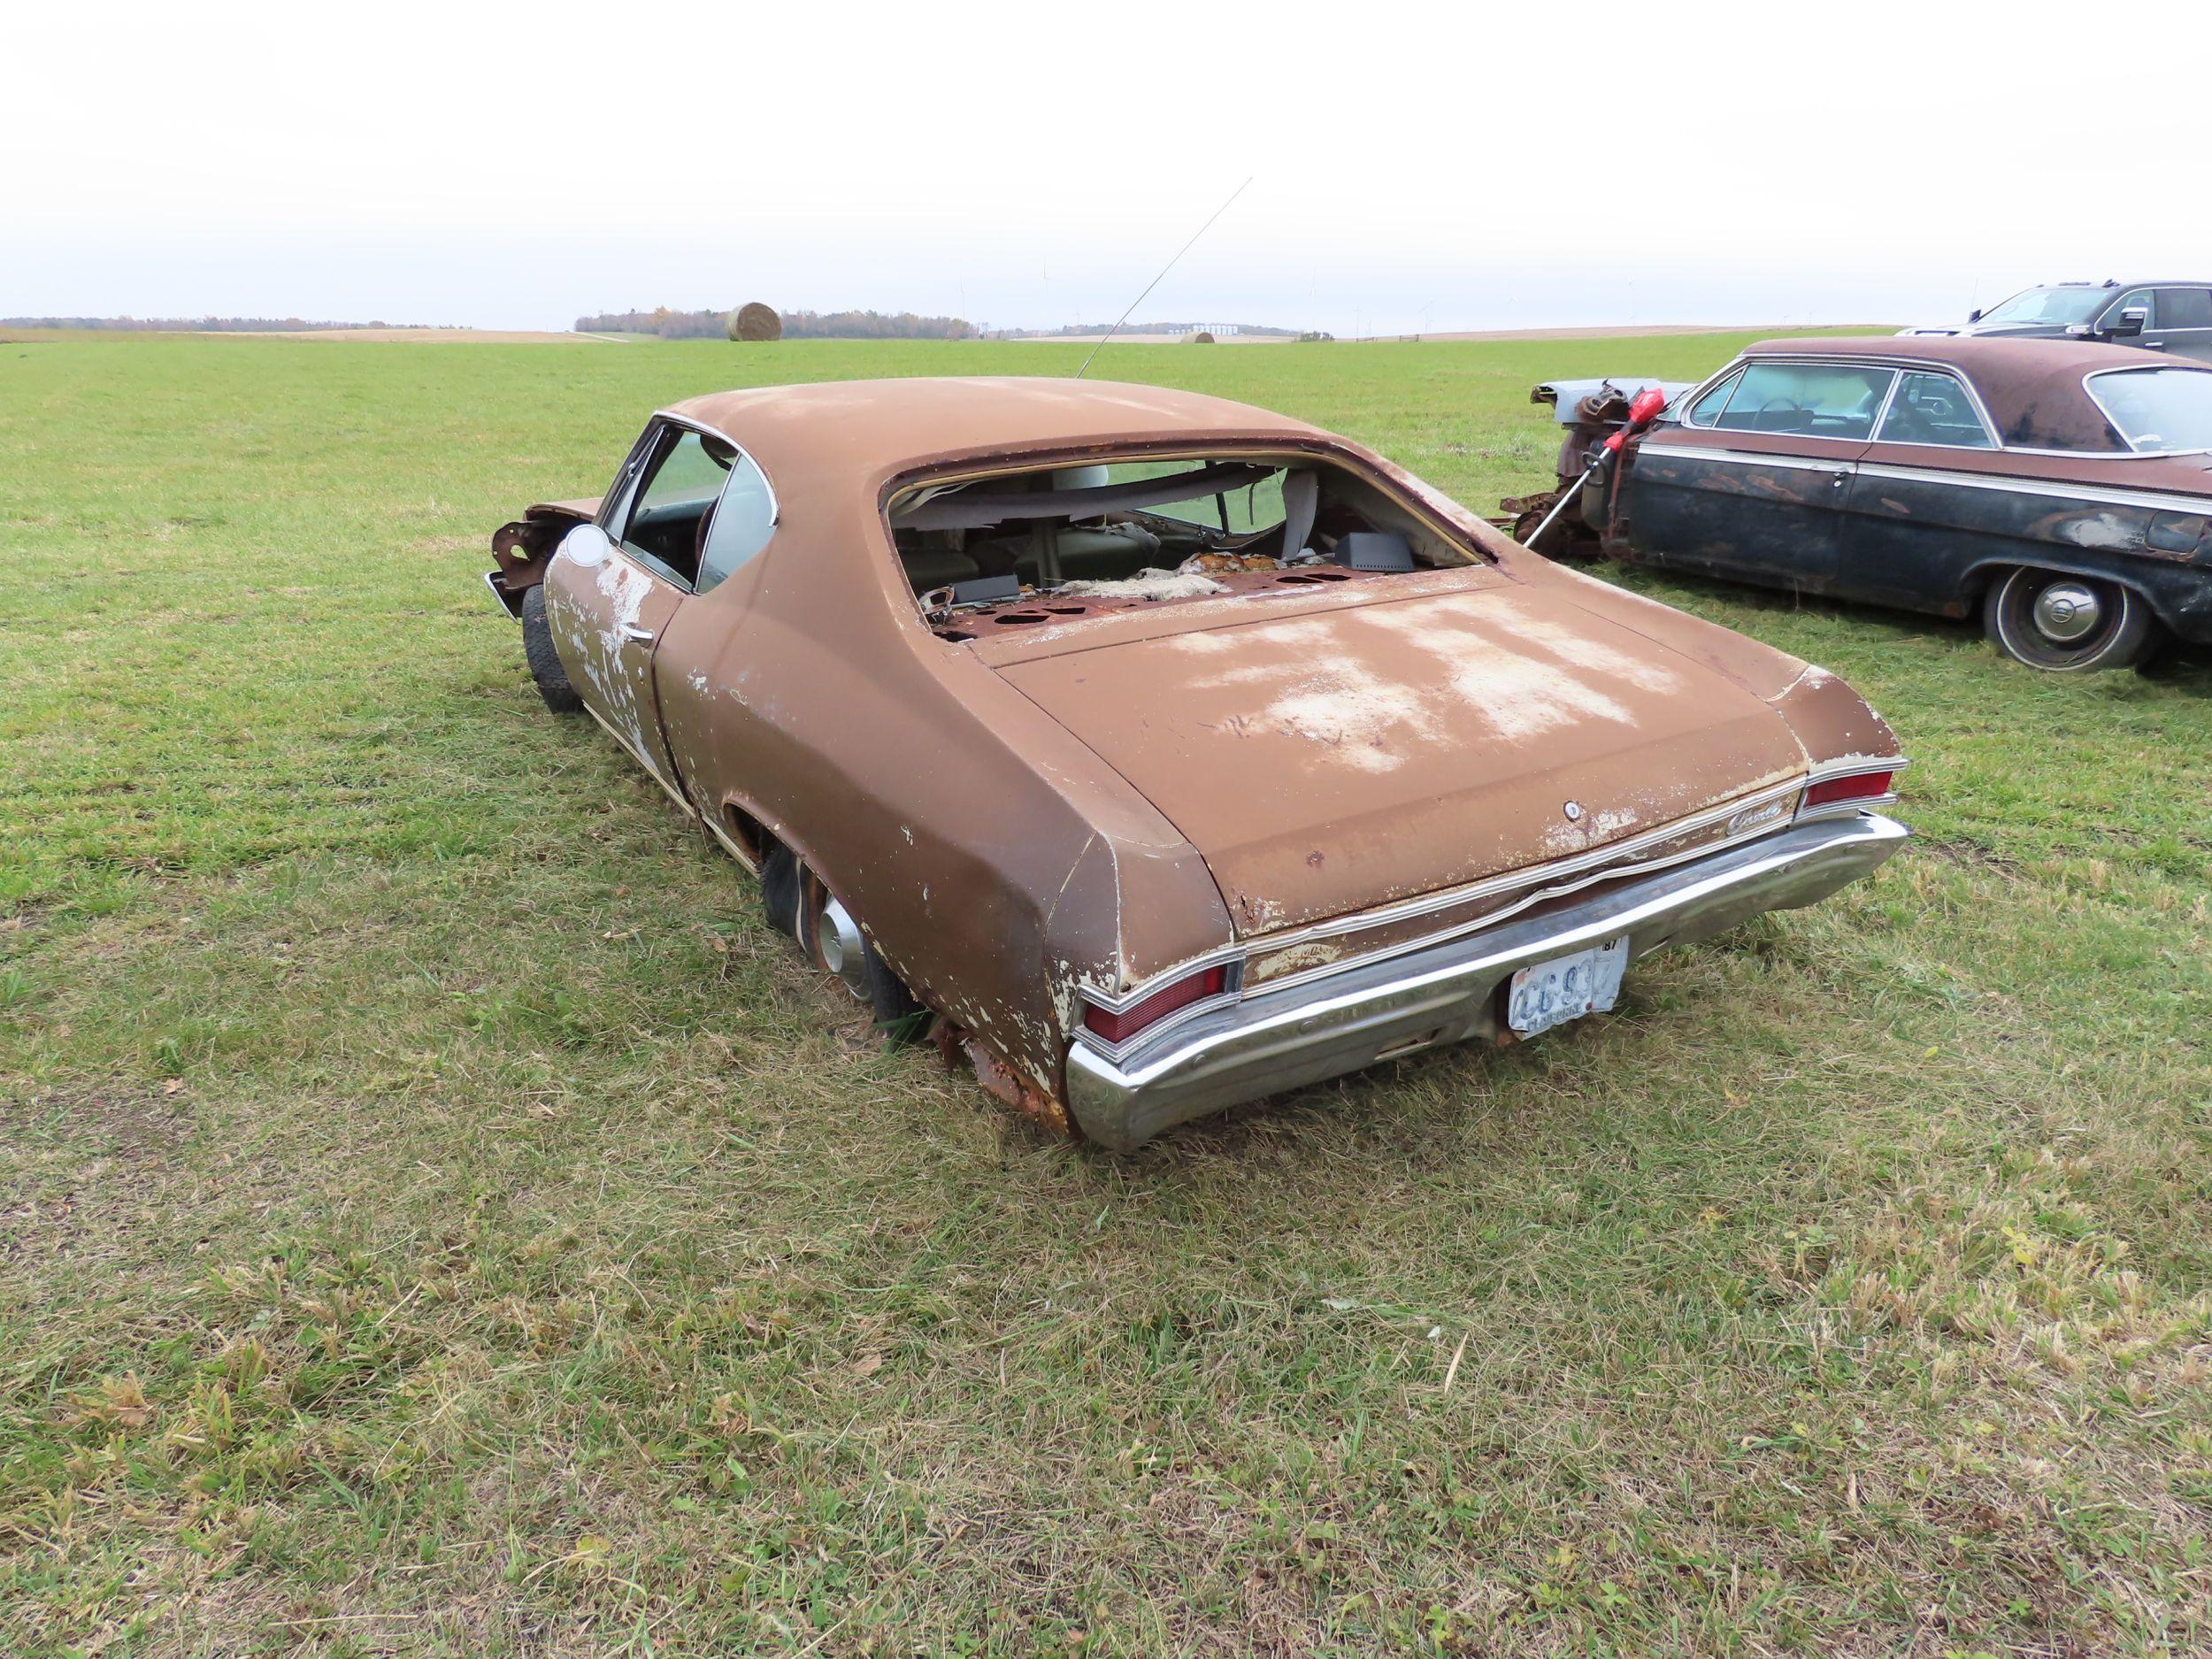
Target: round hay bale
[
  {"x": 1201, "y": 338},
  {"x": 755, "y": 322}
]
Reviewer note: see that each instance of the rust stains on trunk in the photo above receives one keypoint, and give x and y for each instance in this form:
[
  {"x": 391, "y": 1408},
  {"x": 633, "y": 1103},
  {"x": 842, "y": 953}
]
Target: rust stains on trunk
[{"x": 1326, "y": 763}]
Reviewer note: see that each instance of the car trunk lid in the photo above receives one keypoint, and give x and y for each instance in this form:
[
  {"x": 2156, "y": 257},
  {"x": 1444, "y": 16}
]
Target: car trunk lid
[{"x": 1338, "y": 759}]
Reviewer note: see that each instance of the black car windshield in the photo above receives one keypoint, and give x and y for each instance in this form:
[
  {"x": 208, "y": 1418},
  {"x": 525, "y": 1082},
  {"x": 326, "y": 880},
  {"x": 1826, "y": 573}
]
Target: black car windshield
[
  {"x": 2048, "y": 305},
  {"x": 2158, "y": 410}
]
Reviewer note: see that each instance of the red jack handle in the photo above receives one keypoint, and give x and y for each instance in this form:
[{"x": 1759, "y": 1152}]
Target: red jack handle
[{"x": 1643, "y": 409}]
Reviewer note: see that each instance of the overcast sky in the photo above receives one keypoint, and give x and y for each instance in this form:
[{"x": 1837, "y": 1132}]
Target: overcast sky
[{"x": 1414, "y": 168}]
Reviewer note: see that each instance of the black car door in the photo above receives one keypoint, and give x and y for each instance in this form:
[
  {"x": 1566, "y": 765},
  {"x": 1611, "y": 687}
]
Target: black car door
[
  {"x": 1751, "y": 482},
  {"x": 2183, "y": 316},
  {"x": 1927, "y": 499}
]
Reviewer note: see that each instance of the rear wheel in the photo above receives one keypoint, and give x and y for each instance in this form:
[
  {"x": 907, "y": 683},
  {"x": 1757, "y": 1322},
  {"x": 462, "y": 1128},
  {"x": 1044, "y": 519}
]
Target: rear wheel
[
  {"x": 2061, "y": 623},
  {"x": 797, "y": 904},
  {"x": 545, "y": 663}
]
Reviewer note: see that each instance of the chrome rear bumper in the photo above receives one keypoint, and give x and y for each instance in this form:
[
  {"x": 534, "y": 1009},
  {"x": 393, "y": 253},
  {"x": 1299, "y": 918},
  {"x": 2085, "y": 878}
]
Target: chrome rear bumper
[{"x": 1273, "y": 1041}]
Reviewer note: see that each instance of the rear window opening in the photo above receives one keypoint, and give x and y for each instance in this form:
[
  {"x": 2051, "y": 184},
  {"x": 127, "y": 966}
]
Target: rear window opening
[
  {"x": 1058, "y": 544},
  {"x": 2159, "y": 412}
]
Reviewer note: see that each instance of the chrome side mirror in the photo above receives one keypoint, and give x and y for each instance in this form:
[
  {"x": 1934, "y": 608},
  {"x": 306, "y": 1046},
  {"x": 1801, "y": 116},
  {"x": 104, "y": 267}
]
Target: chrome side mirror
[{"x": 2129, "y": 323}]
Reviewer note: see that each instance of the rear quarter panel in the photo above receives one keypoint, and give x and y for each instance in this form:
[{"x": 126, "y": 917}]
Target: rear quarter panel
[
  {"x": 991, "y": 860},
  {"x": 1927, "y": 527}
]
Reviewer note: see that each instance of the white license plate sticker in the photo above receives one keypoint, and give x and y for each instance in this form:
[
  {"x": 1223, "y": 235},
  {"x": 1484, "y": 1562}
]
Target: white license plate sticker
[{"x": 1547, "y": 993}]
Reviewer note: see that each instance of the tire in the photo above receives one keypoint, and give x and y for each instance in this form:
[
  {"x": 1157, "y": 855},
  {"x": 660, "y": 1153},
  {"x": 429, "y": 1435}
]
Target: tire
[
  {"x": 779, "y": 890},
  {"x": 2036, "y": 616},
  {"x": 896, "y": 1009},
  {"x": 545, "y": 663}
]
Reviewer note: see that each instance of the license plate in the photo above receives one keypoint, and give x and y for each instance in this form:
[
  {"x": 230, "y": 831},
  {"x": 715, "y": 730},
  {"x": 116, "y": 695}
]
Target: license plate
[{"x": 1547, "y": 993}]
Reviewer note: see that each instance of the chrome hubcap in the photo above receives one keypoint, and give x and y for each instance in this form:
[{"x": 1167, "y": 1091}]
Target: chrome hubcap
[
  {"x": 838, "y": 938},
  {"x": 2067, "y": 611}
]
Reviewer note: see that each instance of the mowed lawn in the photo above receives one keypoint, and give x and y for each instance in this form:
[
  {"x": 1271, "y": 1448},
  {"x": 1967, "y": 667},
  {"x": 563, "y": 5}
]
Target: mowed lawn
[{"x": 436, "y": 1217}]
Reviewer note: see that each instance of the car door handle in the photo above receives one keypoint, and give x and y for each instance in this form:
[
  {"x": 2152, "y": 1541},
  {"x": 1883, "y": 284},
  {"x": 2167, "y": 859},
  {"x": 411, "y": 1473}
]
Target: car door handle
[{"x": 637, "y": 635}]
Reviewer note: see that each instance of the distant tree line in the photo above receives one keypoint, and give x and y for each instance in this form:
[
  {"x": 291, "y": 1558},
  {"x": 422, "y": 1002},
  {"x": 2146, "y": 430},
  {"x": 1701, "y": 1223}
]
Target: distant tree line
[
  {"x": 674, "y": 324},
  {"x": 197, "y": 325}
]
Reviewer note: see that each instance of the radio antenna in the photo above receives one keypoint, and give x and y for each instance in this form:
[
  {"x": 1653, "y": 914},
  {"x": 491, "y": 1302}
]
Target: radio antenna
[{"x": 1164, "y": 269}]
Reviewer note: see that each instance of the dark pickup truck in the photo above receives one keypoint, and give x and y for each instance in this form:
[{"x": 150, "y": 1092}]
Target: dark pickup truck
[{"x": 2170, "y": 317}]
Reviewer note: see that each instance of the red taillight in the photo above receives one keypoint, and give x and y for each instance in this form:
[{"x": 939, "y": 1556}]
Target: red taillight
[
  {"x": 1864, "y": 785},
  {"x": 1122, "y": 1026}
]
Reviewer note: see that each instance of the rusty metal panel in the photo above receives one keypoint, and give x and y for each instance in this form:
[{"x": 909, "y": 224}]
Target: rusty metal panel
[{"x": 1338, "y": 759}]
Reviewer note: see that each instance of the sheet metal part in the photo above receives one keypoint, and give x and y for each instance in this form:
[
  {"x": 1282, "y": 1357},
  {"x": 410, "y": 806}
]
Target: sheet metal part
[{"x": 1591, "y": 410}]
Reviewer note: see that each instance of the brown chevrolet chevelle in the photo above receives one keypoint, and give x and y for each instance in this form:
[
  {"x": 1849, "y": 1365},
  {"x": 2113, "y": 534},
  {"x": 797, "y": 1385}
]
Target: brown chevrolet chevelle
[{"x": 1159, "y": 753}]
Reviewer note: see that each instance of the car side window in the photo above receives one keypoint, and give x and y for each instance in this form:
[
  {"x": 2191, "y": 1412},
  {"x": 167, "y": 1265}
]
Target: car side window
[
  {"x": 667, "y": 518},
  {"x": 2184, "y": 308},
  {"x": 1934, "y": 409},
  {"x": 1812, "y": 400},
  {"x": 743, "y": 520},
  {"x": 1706, "y": 410}
]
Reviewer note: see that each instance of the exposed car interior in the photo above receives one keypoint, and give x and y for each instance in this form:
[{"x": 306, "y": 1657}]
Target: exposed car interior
[
  {"x": 1111, "y": 534},
  {"x": 666, "y": 522},
  {"x": 1933, "y": 409},
  {"x": 1819, "y": 400},
  {"x": 2159, "y": 412}
]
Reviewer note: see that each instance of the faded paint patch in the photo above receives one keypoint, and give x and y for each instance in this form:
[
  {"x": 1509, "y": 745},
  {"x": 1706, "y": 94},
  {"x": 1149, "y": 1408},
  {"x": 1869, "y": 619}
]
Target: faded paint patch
[
  {"x": 1517, "y": 674},
  {"x": 2108, "y": 531},
  {"x": 600, "y": 640}
]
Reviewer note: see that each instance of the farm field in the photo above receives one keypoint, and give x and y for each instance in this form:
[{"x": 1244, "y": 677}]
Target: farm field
[{"x": 437, "y": 1217}]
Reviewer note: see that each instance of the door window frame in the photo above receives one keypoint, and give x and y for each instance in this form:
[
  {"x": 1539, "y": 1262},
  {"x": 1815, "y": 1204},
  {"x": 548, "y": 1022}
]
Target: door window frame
[
  {"x": 1725, "y": 381},
  {"x": 2149, "y": 297},
  {"x": 665, "y": 435},
  {"x": 1973, "y": 402},
  {"x": 2183, "y": 328},
  {"x": 775, "y": 509},
  {"x": 1881, "y": 408},
  {"x": 1899, "y": 367},
  {"x": 614, "y": 506},
  {"x": 2118, "y": 431},
  {"x": 646, "y": 454}
]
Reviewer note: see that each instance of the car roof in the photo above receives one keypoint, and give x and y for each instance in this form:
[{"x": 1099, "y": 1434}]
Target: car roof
[
  {"x": 2139, "y": 282},
  {"x": 851, "y": 429},
  {"x": 2032, "y": 388}
]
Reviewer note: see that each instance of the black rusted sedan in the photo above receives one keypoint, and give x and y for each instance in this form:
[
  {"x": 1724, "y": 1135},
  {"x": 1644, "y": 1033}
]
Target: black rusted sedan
[{"x": 2063, "y": 489}]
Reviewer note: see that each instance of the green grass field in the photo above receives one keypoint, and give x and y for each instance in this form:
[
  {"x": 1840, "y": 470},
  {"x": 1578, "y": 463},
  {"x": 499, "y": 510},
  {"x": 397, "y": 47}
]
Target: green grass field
[{"x": 436, "y": 1217}]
